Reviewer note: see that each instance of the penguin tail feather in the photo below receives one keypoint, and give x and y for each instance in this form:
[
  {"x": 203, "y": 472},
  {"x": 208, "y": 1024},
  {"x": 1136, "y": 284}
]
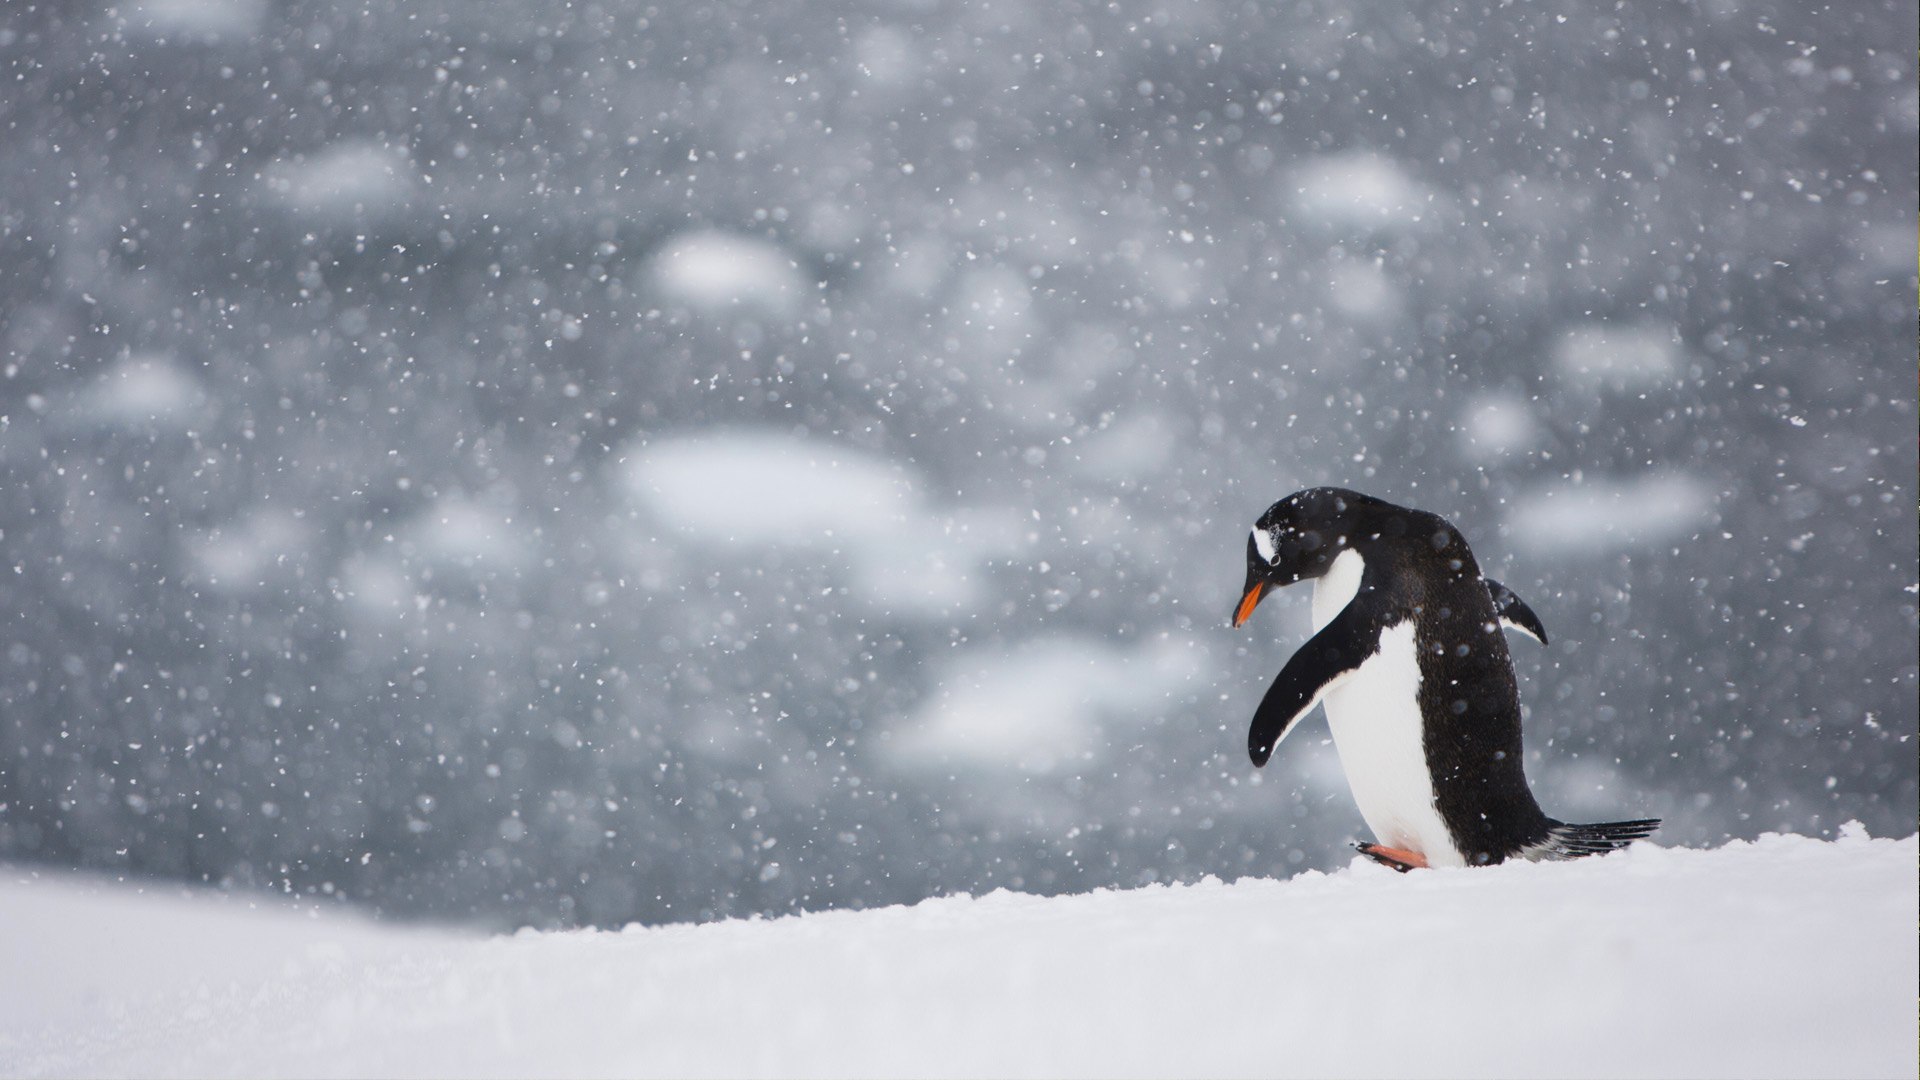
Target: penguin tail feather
[{"x": 1578, "y": 841}]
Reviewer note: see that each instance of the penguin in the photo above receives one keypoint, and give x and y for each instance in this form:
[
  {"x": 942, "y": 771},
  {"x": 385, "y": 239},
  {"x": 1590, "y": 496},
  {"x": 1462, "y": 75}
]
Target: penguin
[{"x": 1409, "y": 658}]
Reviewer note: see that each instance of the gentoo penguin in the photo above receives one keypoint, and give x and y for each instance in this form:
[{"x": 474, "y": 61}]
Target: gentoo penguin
[{"x": 1409, "y": 658}]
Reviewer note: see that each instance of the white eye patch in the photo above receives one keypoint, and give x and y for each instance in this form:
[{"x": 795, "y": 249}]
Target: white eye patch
[{"x": 1263, "y": 543}]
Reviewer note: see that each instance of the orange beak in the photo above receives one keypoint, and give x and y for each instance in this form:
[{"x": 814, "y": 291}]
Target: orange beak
[{"x": 1248, "y": 603}]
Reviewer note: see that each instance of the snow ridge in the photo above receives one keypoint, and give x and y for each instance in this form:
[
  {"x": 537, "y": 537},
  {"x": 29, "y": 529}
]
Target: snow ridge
[{"x": 1651, "y": 961}]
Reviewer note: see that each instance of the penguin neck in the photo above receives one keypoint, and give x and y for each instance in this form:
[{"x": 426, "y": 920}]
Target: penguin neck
[{"x": 1333, "y": 590}]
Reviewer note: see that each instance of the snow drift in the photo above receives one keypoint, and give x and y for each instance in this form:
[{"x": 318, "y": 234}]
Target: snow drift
[{"x": 1785, "y": 957}]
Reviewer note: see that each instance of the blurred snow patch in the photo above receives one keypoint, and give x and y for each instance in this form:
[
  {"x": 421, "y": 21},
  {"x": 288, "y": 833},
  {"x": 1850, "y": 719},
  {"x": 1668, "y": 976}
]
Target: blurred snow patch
[
  {"x": 752, "y": 489},
  {"x": 886, "y": 55},
  {"x": 1172, "y": 278},
  {"x": 377, "y": 584},
  {"x": 831, "y": 225},
  {"x": 241, "y": 554},
  {"x": 1584, "y": 789},
  {"x": 1038, "y": 706},
  {"x": 1600, "y": 516},
  {"x": 1886, "y": 245},
  {"x": 993, "y": 313},
  {"x": 1134, "y": 448},
  {"x": 1497, "y": 424},
  {"x": 466, "y": 532},
  {"x": 930, "y": 567},
  {"x": 1638, "y": 354},
  {"x": 143, "y": 391},
  {"x": 755, "y": 488},
  {"x": 1358, "y": 189},
  {"x": 1362, "y": 289},
  {"x": 716, "y": 271},
  {"x": 914, "y": 266},
  {"x": 348, "y": 179},
  {"x": 194, "y": 18}
]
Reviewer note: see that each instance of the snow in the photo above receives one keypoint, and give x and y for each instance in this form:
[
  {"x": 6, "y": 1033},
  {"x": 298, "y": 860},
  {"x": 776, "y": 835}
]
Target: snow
[
  {"x": 1363, "y": 290},
  {"x": 330, "y": 333},
  {"x": 1497, "y": 424},
  {"x": 994, "y": 310},
  {"x": 1788, "y": 956},
  {"x": 748, "y": 490},
  {"x": 1038, "y": 707},
  {"x": 764, "y": 489},
  {"x": 461, "y": 531},
  {"x": 1597, "y": 516},
  {"x": 886, "y": 55},
  {"x": 715, "y": 271},
  {"x": 347, "y": 179},
  {"x": 242, "y": 554},
  {"x": 143, "y": 392},
  {"x": 1133, "y": 448},
  {"x": 1626, "y": 356},
  {"x": 195, "y": 18},
  {"x": 1358, "y": 189}
]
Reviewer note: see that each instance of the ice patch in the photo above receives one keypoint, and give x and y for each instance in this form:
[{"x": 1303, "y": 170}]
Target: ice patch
[
  {"x": 1359, "y": 189},
  {"x": 1037, "y": 707},
  {"x": 1595, "y": 517},
  {"x": 1497, "y": 424},
  {"x": 348, "y": 179},
  {"x": 1632, "y": 355},
  {"x": 143, "y": 391},
  {"x": 716, "y": 271}
]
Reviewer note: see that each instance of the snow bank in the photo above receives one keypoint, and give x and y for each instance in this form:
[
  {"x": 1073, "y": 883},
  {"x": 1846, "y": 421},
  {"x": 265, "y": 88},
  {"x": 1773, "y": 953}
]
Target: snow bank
[{"x": 1787, "y": 957}]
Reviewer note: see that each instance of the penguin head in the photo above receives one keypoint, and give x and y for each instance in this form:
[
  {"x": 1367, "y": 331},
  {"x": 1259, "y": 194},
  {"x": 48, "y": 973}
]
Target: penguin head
[{"x": 1297, "y": 539}]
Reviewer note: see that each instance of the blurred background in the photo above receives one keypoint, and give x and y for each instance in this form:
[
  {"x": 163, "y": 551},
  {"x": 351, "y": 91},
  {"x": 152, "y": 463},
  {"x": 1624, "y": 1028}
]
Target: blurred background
[{"x": 538, "y": 463}]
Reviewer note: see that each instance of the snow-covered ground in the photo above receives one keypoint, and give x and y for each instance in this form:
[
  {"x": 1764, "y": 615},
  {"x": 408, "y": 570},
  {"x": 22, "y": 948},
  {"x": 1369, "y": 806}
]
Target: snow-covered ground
[{"x": 1786, "y": 957}]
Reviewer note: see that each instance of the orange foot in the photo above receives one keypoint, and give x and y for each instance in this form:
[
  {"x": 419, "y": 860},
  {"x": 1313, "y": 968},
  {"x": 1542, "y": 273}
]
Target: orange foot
[{"x": 1395, "y": 858}]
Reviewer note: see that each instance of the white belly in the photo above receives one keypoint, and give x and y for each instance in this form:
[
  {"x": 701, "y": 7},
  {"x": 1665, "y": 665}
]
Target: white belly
[{"x": 1375, "y": 717}]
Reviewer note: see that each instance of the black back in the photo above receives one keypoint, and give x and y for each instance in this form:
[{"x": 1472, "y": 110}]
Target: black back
[{"x": 1419, "y": 567}]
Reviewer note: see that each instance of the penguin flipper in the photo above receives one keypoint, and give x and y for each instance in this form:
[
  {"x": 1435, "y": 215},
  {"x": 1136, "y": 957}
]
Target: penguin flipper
[
  {"x": 1514, "y": 611},
  {"x": 1321, "y": 664}
]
